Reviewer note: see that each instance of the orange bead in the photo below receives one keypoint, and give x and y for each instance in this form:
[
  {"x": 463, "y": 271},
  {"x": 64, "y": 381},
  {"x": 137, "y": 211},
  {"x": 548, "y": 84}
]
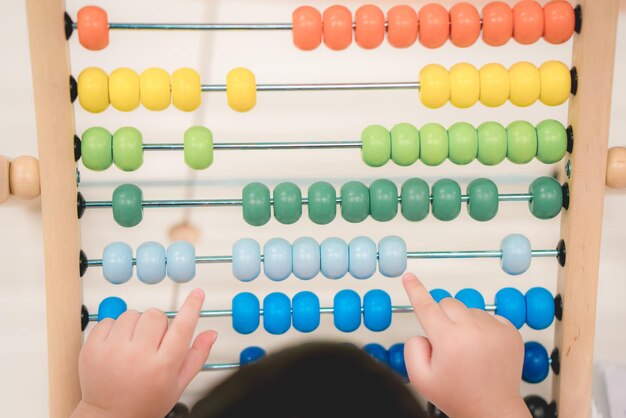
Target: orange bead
[
  {"x": 559, "y": 22},
  {"x": 402, "y": 26},
  {"x": 464, "y": 25},
  {"x": 370, "y": 26},
  {"x": 434, "y": 22},
  {"x": 93, "y": 28},
  {"x": 497, "y": 23},
  {"x": 527, "y": 22},
  {"x": 337, "y": 24},
  {"x": 306, "y": 28}
]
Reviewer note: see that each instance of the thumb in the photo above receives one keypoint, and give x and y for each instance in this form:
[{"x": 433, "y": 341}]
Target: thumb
[
  {"x": 195, "y": 358},
  {"x": 417, "y": 356}
]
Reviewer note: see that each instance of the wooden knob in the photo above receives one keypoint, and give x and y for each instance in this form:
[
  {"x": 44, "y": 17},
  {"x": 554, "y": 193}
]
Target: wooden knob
[
  {"x": 616, "y": 168},
  {"x": 5, "y": 189},
  {"x": 24, "y": 178}
]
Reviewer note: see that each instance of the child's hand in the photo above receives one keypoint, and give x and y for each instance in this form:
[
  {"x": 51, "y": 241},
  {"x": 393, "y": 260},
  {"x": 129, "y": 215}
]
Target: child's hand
[
  {"x": 137, "y": 367},
  {"x": 470, "y": 363}
]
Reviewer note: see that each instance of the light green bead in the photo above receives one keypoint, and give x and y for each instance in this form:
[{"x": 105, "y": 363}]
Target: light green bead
[
  {"x": 522, "y": 142},
  {"x": 551, "y": 141},
  {"x": 383, "y": 200},
  {"x": 97, "y": 149},
  {"x": 492, "y": 143},
  {"x": 463, "y": 141},
  {"x": 433, "y": 144},
  {"x": 287, "y": 203},
  {"x": 127, "y": 205},
  {"x": 198, "y": 147},
  {"x": 375, "y": 146},
  {"x": 405, "y": 144},
  {"x": 127, "y": 149}
]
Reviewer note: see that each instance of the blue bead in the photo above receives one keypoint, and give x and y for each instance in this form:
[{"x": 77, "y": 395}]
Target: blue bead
[
  {"x": 511, "y": 304},
  {"x": 539, "y": 308},
  {"x": 439, "y": 294},
  {"x": 471, "y": 298},
  {"x": 516, "y": 254},
  {"x": 362, "y": 257},
  {"x": 377, "y": 310},
  {"x": 246, "y": 313},
  {"x": 392, "y": 256},
  {"x": 276, "y": 313},
  {"x": 306, "y": 311},
  {"x": 111, "y": 307},
  {"x": 347, "y": 310},
  {"x": 377, "y": 351},
  {"x": 151, "y": 262},
  {"x": 246, "y": 259},
  {"x": 181, "y": 261},
  {"x": 306, "y": 258},
  {"x": 334, "y": 256},
  {"x": 536, "y": 363},
  {"x": 277, "y": 259},
  {"x": 117, "y": 262},
  {"x": 396, "y": 360},
  {"x": 250, "y": 355}
]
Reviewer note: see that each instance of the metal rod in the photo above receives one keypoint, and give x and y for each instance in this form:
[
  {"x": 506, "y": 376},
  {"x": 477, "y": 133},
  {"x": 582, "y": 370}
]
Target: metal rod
[
  {"x": 322, "y": 86},
  {"x": 201, "y": 26},
  {"x": 260, "y": 146}
]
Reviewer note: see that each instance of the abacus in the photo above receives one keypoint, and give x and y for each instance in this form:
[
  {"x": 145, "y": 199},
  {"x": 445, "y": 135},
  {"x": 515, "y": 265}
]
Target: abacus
[{"x": 578, "y": 145}]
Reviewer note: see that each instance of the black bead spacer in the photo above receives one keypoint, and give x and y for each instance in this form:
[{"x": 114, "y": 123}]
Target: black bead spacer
[
  {"x": 561, "y": 255},
  {"x": 574, "y": 76},
  {"x": 553, "y": 411},
  {"x": 69, "y": 25},
  {"x": 80, "y": 205},
  {"x": 179, "y": 410},
  {"x": 558, "y": 307},
  {"x": 73, "y": 89},
  {"x": 556, "y": 361},
  {"x": 565, "y": 190},
  {"x": 77, "y": 148},
  {"x": 82, "y": 263},
  {"x": 578, "y": 16},
  {"x": 84, "y": 318},
  {"x": 539, "y": 408},
  {"x": 570, "y": 139}
]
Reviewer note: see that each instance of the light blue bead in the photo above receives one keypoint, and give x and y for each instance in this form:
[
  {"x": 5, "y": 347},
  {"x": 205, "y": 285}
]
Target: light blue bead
[
  {"x": 392, "y": 256},
  {"x": 536, "y": 362},
  {"x": 511, "y": 304},
  {"x": 306, "y": 311},
  {"x": 181, "y": 261},
  {"x": 539, "y": 308},
  {"x": 334, "y": 258},
  {"x": 151, "y": 262},
  {"x": 396, "y": 360},
  {"x": 246, "y": 259},
  {"x": 117, "y": 262},
  {"x": 377, "y": 351},
  {"x": 439, "y": 294},
  {"x": 306, "y": 258},
  {"x": 276, "y": 313},
  {"x": 277, "y": 259},
  {"x": 516, "y": 254},
  {"x": 246, "y": 313},
  {"x": 347, "y": 310},
  {"x": 376, "y": 310},
  {"x": 111, "y": 307},
  {"x": 362, "y": 257},
  {"x": 471, "y": 298},
  {"x": 250, "y": 355}
]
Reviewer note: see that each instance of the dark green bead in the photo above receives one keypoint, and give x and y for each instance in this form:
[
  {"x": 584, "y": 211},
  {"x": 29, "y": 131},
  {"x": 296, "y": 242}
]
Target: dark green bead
[
  {"x": 383, "y": 200},
  {"x": 355, "y": 201},
  {"x": 287, "y": 203},
  {"x": 127, "y": 205},
  {"x": 256, "y": 204},
  {"x": 483, "y": 199},
  {"x": 547, "y": 198},
  {"x": 322, "y": 204},
  {"x": 446, "y": 199},
  {"x": 415, "y": 195}
]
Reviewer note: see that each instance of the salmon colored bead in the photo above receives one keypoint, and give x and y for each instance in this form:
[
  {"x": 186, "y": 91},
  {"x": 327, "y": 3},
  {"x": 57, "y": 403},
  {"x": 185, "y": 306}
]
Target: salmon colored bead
[
  {"x": 186, "y": 89},
  {"x": 464, "y": 85},
  {"x": 241, "y": 89},
  {"x": 525, "y": 84},
  {"x": 370, "y": 26},
  {"x": 402, "y": 26},
  {"x": 337, "y": 25},
  {"x": 306, "y": 28},
  {"x": 497, "y": 23},
  {"x": 434, "y": 25},
  {"x": 155, "y": 89},
  {"x": 124, "y": 89},
  {"x": 559, "y": 22},
  {"x": 93, "y": 89},
  {"x": 464, "y": 25},
  {"x": 556, "y": 83},
  {"x": 527, "y": 22},
  {"x": 93, "y": 28},
  {"x": 434, "y": 86},
  {"x": 495, "y": 85}
]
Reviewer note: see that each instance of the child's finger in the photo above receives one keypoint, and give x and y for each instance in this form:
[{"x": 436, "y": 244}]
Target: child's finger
[
  {"x": 180, "y": 333},
  {"x": 150, "y": 329},
  {"x": 196, "y": 357},
  {"x": 124, "y": 326},
  {"x": 428, "y": 312},
  {"x": 101, "y": 330},
  {"x": 455, "y": 310},
  {"x": 417, "y": 356}
]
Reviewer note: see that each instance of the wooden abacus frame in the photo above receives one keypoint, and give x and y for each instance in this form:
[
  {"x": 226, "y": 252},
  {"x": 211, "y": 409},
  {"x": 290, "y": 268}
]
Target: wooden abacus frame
[{"x": 581, "y": 224}]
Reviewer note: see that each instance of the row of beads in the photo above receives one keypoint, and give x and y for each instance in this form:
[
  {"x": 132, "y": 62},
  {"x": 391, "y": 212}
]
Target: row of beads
[{"x": 433, "y": 25}]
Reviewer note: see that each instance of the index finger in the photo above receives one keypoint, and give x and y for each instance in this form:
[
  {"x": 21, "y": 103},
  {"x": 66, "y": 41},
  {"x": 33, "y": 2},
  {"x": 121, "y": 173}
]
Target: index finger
[
  {"x": 428, "y": 312},
  {"x": 180, "y": 333}
]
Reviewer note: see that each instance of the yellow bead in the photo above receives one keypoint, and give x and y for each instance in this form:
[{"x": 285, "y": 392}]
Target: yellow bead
[
  {"x": 154, "y": 85},
  {"x": 241, "y": 89},
  {"x": 495, "y": 85},
  {"x": 556, "y": 83},
  {"x": 434, "y": 86},
  {"x": 93, "y": 89},
  {"x": 124, "y": 89},
  {"x": 186, "y": 89},
  {"x": 464, "y": 85},
  {"x": 525, "y": 84}
]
